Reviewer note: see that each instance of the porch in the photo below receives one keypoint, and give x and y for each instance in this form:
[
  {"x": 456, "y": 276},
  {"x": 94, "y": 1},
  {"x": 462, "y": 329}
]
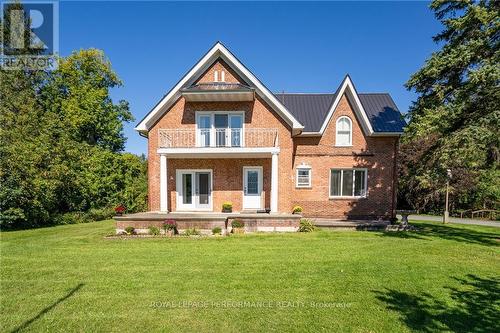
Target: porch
[
  {"x": 206, "y": 221},
  {"x": 200, "y": 168}
]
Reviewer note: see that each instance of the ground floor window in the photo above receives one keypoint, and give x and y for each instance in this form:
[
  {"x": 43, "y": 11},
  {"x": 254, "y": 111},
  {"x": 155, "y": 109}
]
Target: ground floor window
[
  {"x": 348, "y": 182},
  {"x": 303, "y": 176}
]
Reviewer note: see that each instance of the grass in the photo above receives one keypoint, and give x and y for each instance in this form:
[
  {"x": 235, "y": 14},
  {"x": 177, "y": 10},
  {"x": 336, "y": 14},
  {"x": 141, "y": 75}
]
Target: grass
[{"x": 69, "y": 278}]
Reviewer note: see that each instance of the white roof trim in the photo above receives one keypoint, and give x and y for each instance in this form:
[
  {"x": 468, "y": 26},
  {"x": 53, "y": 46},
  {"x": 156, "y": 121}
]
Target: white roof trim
[
  {"x": 215, "y": 52},
  {"x": 348, "y": 87}
]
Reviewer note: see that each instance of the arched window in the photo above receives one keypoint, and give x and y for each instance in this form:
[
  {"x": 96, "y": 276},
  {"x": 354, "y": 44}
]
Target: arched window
[{"x": 344, "y": 132}]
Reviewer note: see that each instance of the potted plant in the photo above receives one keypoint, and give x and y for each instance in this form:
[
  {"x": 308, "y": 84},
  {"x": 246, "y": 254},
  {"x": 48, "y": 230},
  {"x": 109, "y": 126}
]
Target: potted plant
[
  {"x": 120, "y": 209},
  {"x": 170, "y": 227},
  {"x": 227, "y": 207},
  {"x": 297, "y": 210},
  {"x": 238, "y": 227}
]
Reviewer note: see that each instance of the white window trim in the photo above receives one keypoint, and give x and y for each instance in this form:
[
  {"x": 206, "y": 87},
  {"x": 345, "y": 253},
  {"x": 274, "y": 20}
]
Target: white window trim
[
  {"x": 222, "y": 76},
  {"x": 341, "y": 184},
  {"x": 337, "y": 132},
  {"x": 216, "y": 76},
  {"x": 212, "y": 125},
  {"x": 303, "y": 167}
]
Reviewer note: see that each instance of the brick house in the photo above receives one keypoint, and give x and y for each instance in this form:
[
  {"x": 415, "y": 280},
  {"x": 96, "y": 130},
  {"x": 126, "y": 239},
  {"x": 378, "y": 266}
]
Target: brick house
[{"x": 220, "y": 135}]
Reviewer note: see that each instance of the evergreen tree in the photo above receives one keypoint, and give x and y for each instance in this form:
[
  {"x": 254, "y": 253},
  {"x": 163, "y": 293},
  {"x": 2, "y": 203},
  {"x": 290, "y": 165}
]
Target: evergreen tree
[{"x": 456, "y": 119}]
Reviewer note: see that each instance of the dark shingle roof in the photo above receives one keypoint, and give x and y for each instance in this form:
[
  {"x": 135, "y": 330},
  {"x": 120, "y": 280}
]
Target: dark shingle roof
[{"x": 312, "y": 109}]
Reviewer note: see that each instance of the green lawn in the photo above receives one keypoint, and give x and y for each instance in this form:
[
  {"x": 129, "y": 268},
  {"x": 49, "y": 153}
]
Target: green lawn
[{"x": 69, "y": 278}]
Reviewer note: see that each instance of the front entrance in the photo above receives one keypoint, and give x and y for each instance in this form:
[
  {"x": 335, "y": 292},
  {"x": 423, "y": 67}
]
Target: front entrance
[
  {"x": 252, "y": 187},
  {"x": 194, "y": 189}
]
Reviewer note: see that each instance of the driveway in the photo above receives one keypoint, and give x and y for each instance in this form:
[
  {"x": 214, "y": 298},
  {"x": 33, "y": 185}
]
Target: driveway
[{"x": 452, "y": 220}]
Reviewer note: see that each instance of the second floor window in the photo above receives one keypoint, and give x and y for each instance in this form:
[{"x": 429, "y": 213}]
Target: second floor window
[
  {"x": 343, "y": 132},
  {"x": 219, "y": 129}
]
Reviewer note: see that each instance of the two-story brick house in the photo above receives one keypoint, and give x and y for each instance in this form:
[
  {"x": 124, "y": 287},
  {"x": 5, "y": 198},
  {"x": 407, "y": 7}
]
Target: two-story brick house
[{"x": 220, "y": 135}]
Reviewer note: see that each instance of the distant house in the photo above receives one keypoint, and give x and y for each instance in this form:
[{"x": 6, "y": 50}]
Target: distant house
[{"x": 221, "y": 135}]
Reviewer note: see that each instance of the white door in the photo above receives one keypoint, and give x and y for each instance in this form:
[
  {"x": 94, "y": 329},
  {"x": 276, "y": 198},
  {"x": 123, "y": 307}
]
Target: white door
[
  {"x": 194, "y": 190},
  {"x": 252, "y": 187}
]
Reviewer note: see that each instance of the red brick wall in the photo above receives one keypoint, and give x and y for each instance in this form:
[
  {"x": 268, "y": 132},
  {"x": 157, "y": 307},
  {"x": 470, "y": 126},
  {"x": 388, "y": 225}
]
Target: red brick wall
[
  {"x": 227, "y": 175},
  {"x": 257, "y": 115},
  {"x": 376, "y": 154}
]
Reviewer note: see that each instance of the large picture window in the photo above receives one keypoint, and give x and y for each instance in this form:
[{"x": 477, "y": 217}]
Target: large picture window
[{"x": 348, "y": 182}]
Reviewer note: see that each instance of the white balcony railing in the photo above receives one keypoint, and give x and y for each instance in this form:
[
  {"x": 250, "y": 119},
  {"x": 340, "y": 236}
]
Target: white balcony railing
[{"x": 218, "y": 137}]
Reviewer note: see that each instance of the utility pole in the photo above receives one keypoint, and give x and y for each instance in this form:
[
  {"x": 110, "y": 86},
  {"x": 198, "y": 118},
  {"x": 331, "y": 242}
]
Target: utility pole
[{"x": 446, "y": 216}]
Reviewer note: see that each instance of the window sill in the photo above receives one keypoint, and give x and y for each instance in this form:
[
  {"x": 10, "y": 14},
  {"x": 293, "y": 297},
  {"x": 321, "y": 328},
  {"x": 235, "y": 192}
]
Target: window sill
[
  {"x": 346, "y": 198},
  {"x": 306, "y": 187},
  {"x": 343, "y": 146}
]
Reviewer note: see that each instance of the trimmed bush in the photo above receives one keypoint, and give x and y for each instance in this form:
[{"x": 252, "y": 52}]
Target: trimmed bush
[
  {"x": 237, "y": 224},
  {"x": 130, "y": 230},
  {"x": 154, "y": 230},
  {"x": 297, "y": 210},
  {"x": 306, "y": 225},
  {"x": 217, "y": 230}
]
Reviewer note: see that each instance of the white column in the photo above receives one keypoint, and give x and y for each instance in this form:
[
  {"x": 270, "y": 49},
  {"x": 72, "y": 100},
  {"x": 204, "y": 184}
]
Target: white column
[
  {"x": 163, "y": 184},
  {"x": 274, "y": 183}
]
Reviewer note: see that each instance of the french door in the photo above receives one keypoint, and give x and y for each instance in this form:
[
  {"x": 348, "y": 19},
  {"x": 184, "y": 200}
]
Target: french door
[{"x": 194, "y": 190}]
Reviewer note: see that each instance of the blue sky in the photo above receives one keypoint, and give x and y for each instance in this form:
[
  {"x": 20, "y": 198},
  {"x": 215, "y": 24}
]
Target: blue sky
[{"x": 290, "y": 46}]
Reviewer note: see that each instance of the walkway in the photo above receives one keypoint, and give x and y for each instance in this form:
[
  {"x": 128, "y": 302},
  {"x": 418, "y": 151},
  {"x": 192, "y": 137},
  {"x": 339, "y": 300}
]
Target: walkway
[{"x": 453, "y": 220}]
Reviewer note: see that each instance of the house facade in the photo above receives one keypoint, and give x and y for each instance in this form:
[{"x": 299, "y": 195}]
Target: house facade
[{"x": 221, "y": 136}]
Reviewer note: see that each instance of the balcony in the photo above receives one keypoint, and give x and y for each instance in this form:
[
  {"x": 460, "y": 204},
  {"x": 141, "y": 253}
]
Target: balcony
[{"x": 218, "y": 138}]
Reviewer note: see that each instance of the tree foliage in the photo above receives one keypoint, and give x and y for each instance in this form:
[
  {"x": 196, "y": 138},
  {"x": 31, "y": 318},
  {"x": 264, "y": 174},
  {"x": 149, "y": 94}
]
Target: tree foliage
[
  {"x": 61, "y": 140},
  {"x": 456, "y": 119}
]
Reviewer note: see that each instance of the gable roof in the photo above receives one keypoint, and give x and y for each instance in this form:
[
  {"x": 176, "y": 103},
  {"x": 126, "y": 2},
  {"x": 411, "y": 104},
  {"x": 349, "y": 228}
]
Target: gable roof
[
  {"x": 382, "y": 112},
  {"x": 216, "y": 52},
  {"x": 378, "y": 111},
  {"x": 309, "y": 109}
]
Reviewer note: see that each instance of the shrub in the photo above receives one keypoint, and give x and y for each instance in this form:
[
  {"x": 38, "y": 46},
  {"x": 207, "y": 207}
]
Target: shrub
[
  {"x": 170, "y": 225},
  {"x": 217, "y": 230},
  {"x": 306, "y": 225},
  {"x": 99, "y": 214},
  {"x": 130, "y": 230},
  {"x": 192, "y": 232},
  {"x": 154, "y": 230},
  {"x": 227, "y": 206},
  {"x": 297, "y": 209},
  {"x": 237, "y": 224},
  {"x": 71, "y": 218}
]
